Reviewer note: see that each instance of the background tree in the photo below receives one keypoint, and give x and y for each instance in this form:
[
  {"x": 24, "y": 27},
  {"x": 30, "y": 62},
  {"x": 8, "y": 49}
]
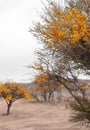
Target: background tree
[
  {"x": 47, "y": 84},
  {"x": 11, "y": 92}
]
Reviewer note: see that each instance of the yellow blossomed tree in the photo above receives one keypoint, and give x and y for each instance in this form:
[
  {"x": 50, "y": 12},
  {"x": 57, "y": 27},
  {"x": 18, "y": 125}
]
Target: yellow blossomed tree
[
  {"x": 64, "y": 33},
  {"x": 12, "y": 92},
  {"x": 67, "y": 28},
  {"x": 44, "y": 86}
]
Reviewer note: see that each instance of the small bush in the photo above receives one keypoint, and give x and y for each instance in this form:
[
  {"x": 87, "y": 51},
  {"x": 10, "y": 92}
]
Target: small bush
[{"x": 81, "y": 111}]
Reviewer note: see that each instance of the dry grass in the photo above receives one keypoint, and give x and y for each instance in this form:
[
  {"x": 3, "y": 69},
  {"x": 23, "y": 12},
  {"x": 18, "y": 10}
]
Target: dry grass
[{"x": 36, "y": 116}]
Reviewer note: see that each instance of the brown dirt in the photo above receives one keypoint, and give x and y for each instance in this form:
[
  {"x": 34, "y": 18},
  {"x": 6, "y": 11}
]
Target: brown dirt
[{"x": 36, "y": 116}]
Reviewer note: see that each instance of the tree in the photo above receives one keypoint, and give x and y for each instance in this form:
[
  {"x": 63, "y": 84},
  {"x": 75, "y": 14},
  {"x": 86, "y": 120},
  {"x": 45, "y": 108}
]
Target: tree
[
  {"x": 45, "y": 66},
  {"x": 47, "y": 84},
  {"x": 68, "y": 28},
  {"x": 65, "y": 33},
  {"x": 11, "y": 92}
]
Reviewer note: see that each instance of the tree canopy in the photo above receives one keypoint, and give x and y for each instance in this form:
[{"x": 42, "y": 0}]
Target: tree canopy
[
  {"x": 68, "y": 28},
  {"x": 12, "y": 92}
]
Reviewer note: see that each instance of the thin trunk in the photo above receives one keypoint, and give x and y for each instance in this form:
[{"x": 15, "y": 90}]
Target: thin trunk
[
  {"x": 50, "y": 93},
  {"x": 45, "y": 96},
  {"x": 8, "y": 108}
]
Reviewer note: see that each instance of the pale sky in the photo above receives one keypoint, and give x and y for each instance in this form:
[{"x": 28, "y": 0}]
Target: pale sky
[{"x": 17, "y": 45}]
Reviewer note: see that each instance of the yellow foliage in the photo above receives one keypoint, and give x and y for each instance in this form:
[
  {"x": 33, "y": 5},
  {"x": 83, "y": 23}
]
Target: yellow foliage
[
  {"x": 42, "y": 79},
  {"x": 37, "y": 67},
  {"x": 13, "y": 91},
  {"x": 46, "y": 83},
  {"x": 68, "y": 27}
]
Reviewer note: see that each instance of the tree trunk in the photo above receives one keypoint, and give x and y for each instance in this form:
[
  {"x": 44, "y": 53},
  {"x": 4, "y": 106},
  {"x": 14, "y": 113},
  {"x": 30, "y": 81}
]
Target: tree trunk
[
  {"x": 45, "y": 96},
  {"x": 50, "y": 94},
  {"x": 8, "y": 108}
]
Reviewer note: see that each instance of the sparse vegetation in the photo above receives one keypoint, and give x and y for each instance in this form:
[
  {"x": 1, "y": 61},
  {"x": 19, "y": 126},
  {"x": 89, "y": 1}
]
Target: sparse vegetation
[{"x": 81, "y": 111}]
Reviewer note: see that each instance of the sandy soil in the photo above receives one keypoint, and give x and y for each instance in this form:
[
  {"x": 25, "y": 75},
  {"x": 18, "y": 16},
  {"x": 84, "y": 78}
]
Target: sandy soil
[{"x": 36, "y": 116}]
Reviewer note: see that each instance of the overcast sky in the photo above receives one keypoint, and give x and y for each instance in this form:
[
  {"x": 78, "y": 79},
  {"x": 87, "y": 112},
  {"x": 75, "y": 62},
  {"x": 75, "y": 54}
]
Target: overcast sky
[{"x": 17, "y": 45}]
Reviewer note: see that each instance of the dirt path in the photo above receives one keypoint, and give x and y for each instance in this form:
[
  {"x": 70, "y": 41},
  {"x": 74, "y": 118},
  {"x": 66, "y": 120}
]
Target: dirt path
[{"x": 36, "y": 116}]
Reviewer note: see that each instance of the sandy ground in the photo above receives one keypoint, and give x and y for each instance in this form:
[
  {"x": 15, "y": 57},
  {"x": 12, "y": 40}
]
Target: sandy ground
[{"x": 36, "y": 116}]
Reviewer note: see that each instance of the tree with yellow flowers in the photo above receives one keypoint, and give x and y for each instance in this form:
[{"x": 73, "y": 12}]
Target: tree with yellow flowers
[
  {"x": 68, "y": 28},
  {"x": 11, "y": 92},
  {"x": 64, "y": 34},
  {"x": 46, "y": 85}
]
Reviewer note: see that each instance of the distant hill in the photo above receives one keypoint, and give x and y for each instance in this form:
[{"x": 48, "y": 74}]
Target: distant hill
[
  {"x": 32, "y": 85},
  {"x": 29, "y": 85}
]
